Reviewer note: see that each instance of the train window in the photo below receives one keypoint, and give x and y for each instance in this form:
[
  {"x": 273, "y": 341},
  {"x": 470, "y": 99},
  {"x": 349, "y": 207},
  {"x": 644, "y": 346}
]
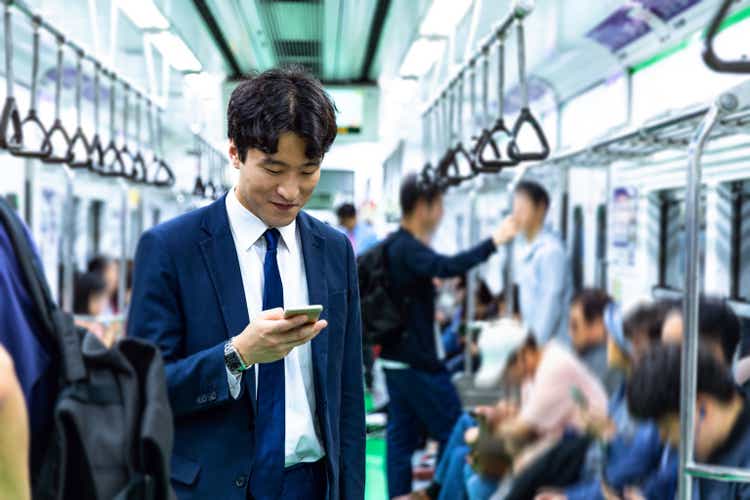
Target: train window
[
  {"x": 583, "y": 114},
  {"x": 577, "y": 248},
  {"x": 672, "y": 240},
  {"x": 740, "y": 265}
]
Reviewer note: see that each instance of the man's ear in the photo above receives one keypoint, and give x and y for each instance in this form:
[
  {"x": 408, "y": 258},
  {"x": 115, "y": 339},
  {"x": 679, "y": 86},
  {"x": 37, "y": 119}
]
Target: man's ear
[{"x": 234, "y": 154}]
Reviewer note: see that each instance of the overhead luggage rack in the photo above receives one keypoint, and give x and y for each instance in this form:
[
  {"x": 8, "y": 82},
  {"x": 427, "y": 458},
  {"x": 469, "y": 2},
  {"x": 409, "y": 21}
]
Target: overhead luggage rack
[{"x": 667, "y": 133}]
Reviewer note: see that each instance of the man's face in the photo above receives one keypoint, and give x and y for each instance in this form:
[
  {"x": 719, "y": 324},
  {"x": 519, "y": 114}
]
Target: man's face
[
  {"x": 275, "y": 187},
  {"x": 671, "y": 330},
  {"x": 526, "y": 214},
  {"x": 348, "y": 223}
]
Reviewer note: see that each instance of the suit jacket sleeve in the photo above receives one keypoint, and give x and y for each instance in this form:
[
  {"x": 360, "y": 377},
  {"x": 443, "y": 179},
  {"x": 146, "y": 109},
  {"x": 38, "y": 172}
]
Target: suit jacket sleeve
[
  {"x": 352, "y": 424},
  {"x": 196, "y": 382},
  {"x": 430, "y": 264}
]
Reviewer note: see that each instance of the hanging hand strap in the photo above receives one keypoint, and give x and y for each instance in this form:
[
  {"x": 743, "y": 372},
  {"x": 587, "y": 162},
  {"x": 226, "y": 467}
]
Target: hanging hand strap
[
  {"x": 525, "y": 116},
  {"x": 11, "y": 131},
  {"x": 710, "y": 57}
]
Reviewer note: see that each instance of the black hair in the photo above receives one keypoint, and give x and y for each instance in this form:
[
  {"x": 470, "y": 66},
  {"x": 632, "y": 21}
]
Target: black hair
[
  {"x": 346, "y": 211},
  {"x": 536, "y": 193},
  {"x": 717, "y": 323},
  {"x": 265, "y": 105},
  {"x": 86, "y": 285},
  {"x": 648, "y": 318},
  {"x": 484, "y": 294},
  {"x": 593, "y": 302},
  {"x": 415, "y": 188},
  {"x": 98, "y": 264},
  {"x": 654, "y": 386}
]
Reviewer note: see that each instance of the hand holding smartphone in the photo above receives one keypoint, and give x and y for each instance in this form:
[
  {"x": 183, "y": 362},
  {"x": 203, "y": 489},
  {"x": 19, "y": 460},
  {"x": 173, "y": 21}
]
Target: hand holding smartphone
[{"x": 312, "y": 312}]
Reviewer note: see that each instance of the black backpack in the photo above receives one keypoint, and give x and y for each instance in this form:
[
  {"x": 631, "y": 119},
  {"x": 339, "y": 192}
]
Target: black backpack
[
  {"x": 112, "y": 426},
  {"x": 383, "y": 314}
]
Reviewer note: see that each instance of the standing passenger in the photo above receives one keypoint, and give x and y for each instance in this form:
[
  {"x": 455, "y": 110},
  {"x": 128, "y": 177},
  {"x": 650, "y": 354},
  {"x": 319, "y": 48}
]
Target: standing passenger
[
  {"x": 421, "y": 393},
  {"x": 360, "y": 234},
  {"x": 265, "y": 407},
  {"x": 543, "y": 271}
]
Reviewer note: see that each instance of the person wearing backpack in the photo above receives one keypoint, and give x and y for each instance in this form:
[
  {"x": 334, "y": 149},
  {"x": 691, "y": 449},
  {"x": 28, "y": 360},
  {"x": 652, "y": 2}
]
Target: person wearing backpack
[
  {"x": 266, "y": 407},
  {"x": 422, "y": 395}
]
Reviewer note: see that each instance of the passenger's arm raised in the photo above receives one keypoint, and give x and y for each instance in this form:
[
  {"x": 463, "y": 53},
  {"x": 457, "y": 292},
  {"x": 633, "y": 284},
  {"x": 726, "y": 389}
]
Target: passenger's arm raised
[{"x": 429, "y": 264}]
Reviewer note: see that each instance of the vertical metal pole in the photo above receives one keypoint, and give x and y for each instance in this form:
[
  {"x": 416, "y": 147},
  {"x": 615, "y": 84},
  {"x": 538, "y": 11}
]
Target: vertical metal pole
[
  {"x": 124, "y": 220},
  {"x": 67, "y": 240},
  {"x": 688, "y": 387},
  {"x": 471, "y": 287}
]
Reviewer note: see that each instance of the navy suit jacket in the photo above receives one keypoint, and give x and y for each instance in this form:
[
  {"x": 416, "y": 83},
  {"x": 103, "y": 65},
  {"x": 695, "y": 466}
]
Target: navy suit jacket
[{"x": 188, "y": 298}]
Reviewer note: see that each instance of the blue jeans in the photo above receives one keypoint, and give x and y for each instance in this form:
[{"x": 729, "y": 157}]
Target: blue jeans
[{"x": 419, "y": 401}]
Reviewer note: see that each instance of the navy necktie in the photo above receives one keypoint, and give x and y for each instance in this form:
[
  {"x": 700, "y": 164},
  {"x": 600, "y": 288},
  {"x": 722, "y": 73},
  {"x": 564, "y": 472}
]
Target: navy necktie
[{"x": 268, "y": 465}]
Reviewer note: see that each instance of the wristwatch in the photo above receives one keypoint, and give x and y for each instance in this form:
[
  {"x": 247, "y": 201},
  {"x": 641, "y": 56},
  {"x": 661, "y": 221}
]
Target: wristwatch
[{"x": 233, "y": 359}]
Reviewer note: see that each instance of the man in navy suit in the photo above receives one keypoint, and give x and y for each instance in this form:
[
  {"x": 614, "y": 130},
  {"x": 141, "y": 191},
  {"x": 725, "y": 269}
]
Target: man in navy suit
[{"x": 264, "y": 407}]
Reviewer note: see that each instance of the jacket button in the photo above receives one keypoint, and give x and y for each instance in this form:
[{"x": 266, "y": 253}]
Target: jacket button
[
  {"x": 240, "y": 481},
  {"x": 212, "y": 397},
  {"x": 202, "y": 399}
]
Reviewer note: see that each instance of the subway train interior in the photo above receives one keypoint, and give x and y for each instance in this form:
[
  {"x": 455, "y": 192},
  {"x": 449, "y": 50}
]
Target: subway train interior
[{"x": 528, "y": 229}]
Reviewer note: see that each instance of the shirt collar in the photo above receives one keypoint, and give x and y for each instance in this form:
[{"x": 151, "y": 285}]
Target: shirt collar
[{"x": 247, "y": 227}]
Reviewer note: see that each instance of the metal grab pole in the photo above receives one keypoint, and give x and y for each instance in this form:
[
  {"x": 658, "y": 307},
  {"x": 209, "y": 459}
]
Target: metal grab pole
[
  {"x": 124, "y": 218},
  {"x": 68, "y": 239},
  {"x": 471, "y": 288},
  {"x": 729, "y": 102}
]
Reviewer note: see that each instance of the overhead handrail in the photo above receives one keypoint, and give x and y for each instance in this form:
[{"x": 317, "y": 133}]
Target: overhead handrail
[
  {"x": 525, "y": 116},
  {"x": 96, "y": 147},
  {"x": 32, "y": 116},
  {"x": 57, "y": 126},
  {"x": 710, "y": 57},
  {"x": 112, "y": 161},
  {"x": 79, "y": 135},
  {"x": 161, "y": 165},
  {"x": 10, "y": 121},
  {"x": 140, "y": 170},
  {"x": 491, "y": 138}
]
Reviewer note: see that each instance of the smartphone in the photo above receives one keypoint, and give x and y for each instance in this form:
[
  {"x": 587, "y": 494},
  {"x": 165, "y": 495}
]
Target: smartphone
[{"x": 312, "y": 312}]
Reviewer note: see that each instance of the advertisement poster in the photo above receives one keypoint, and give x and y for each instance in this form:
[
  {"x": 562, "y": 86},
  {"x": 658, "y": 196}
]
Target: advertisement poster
[{"x": 624, "y": 227}]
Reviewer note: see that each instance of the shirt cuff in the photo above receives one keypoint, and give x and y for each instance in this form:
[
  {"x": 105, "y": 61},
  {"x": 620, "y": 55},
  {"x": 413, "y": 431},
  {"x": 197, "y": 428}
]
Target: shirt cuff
[{"x": 235, "y": 383}]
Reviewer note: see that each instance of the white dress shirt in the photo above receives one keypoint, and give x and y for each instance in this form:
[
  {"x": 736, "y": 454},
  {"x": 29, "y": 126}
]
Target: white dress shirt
[{"x": 302, "y": 441}]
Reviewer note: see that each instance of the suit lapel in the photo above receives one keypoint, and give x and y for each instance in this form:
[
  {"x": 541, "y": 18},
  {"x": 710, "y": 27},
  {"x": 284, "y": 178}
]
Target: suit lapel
[
  {"x": 313, "y": 252},
  {"x": 220, "y": 256}
]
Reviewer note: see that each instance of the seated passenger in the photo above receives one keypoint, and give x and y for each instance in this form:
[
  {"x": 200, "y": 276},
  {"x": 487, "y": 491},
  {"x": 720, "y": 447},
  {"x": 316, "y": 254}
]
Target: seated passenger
[
  {"x": 722, "y": 412},
  {"x": 589, "y": 335},
  {"x": 632, "y": 450},
  {"x": 555, "y": 385},
  {"x": 90, "y": 299}
]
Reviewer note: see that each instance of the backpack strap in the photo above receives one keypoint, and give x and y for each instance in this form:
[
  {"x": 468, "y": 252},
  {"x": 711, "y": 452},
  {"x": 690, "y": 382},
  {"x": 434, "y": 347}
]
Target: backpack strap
[{"x": 59, "y": 328}]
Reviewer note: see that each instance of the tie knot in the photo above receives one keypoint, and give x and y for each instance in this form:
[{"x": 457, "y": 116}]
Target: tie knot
[{"x": 272, "y": 236}]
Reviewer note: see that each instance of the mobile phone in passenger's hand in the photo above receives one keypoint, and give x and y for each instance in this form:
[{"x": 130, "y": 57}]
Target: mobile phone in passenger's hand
[{"x": 312, "y": 312}]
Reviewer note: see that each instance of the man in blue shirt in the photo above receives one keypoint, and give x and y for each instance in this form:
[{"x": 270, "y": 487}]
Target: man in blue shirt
[
  {"x": 542, "y": 270},
  {"x": 422, "y": 397},
  {"x": 722, "y": 427},
  {"x": 360, "y": 234}
]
